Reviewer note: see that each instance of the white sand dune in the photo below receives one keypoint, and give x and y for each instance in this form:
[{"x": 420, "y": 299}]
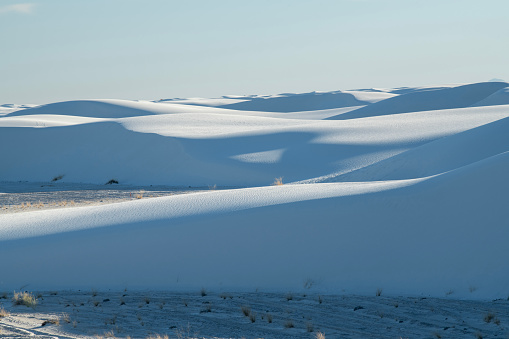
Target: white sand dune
[
  {"x": 414, "y": 204},
  {"x": 428, "y": 99}
]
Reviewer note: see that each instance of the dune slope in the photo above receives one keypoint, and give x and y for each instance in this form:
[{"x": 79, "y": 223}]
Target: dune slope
[{"x": 407, "y": 194}]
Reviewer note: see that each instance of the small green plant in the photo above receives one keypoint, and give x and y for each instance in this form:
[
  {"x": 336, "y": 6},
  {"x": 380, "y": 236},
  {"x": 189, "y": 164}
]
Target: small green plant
[{"x": 24, "y": 298}]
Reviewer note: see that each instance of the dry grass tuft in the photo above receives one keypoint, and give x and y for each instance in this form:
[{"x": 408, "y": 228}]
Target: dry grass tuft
[
  {"x": 3, "y": 313},
  {"x": 278, "y": 181},
  {"x": 158, "y": 336},
  {"x": 24, "y": 298},
  {"x": 320, "y": 335}
]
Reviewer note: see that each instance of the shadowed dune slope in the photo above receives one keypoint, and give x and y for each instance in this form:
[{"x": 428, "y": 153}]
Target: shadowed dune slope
[
  {"x": 427, "y": 100},
  {"x": 299, "y": 102},
  {"x": 441, "y": 155},
  {"x": 415, "y": 238}
]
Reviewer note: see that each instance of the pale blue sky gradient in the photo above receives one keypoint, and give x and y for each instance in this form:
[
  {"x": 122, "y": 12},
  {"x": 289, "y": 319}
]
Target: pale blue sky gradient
[{"x": 55, "y": 50}]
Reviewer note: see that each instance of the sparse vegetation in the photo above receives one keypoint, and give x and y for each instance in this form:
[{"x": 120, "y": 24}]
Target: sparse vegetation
[
  {"x": 206, "y": 309},
  {"x": 289, "y": 324},
  {"x": 308, "y": 283},
  {"x": 252, "y": 317},
  {"x": 3, "y": 313},
  {"x": 246, "y": 310},
  {"x": 269, "y": 318},
  {"x": 320, "y": 300},
  {"x": 225, "y": 295},
  {"x": 278, "y": 181},
  {"x": 24, "y": 298},
  {"x": 378, "y": 292},
  {"x": 289, "y": 297},
  {"x": 112, "y": 181},
  {"x": 203, "y": 292},
  {"x": 58, "y": 177},
  {"x": 54, "y": 321},
  {"x": 320, "y": 335},
  {"x": 309, "y": 327},
  {"x": 157, "y": 336},
  {"x": 489, "y": 317}
]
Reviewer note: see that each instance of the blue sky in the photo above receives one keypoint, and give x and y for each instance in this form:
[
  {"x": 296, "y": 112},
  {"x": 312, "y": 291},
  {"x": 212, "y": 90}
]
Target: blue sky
[{"x": 55, "y": 50}]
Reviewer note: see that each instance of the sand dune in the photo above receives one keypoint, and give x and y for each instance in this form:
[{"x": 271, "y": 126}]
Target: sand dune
[{"x": 406, "y": 193}]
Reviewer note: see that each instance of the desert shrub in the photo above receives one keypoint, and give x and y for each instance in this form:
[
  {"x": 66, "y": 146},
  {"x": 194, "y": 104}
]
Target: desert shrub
[{"x": 24, "y": 298}]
